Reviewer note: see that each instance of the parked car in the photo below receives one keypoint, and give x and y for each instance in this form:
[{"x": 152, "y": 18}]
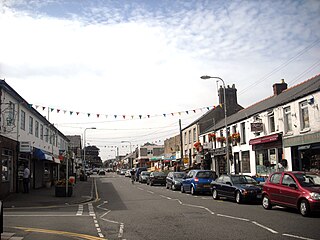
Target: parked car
[
  {"x": 143, "y": 177},
  {"x": 128, "y": 173},
  {"x": 240, "y": 188},
  {"x": 174, "y": 179},
  {"x": 102, "y": 172},
  {"x": 157, "y": 178},
  {"x": 198, "y": 181},
  {"x": 123, "y": 171},
  {"x": 138, "y": 171},
  {"x": 299, "y": 190}
]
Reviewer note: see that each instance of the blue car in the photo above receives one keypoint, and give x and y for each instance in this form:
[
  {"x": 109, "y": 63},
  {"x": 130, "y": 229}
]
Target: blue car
[{"x": 198, "y": 181}]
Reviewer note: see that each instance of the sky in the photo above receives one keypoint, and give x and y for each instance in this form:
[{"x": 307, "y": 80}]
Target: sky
[{"x": 131, "y": 69}]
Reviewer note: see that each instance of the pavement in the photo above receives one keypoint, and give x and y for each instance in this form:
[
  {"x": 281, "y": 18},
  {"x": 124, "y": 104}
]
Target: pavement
[{"x": 45, "y": 197}]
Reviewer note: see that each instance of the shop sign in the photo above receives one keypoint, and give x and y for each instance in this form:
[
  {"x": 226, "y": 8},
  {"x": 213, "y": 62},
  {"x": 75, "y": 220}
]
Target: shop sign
[
  {"x": 25, "y": 147},
  {"x": 256, "y": 127},
  {"x": 207, "y": 145},
  {"x": 186, "y": 160},
  {"x": 265, "y": 139},
  {"x": 302, "y": 139}
]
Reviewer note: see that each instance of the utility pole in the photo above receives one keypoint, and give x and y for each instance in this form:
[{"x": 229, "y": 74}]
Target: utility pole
[{"x": 181, "y": 143}]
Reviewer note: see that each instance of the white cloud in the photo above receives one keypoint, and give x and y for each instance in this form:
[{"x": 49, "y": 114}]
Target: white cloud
[{"x": 141, "y": 58}]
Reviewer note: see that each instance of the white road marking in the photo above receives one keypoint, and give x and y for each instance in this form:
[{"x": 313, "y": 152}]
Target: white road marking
[
  {"x": 96, "y": 224},
  {"x": 265, "y": 227},
  {"x": 140, "y": 188},
  {"x": 294, "y": 236},
  {"x": 237, "y": 218},
  {"x": 80, "y": 210},
  {"x": 121, "y": 230},
  {"x": 150, "y": 192}
]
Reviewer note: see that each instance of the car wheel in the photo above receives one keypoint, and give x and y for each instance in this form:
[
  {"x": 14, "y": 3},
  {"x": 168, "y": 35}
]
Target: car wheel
[
  {"x": 151, "y": 183},
  {"x": 182, "y": 189},
  {"x": 238, "y": 197},
  {"x": 192, "y": 191},
  {"x": 173, "y": 187},
  {"x": 304, "y": 208},
  {"x": 266, "y": 204},
  {"x": 215, "y": 194},
  {"x": 167, "y": 186}
]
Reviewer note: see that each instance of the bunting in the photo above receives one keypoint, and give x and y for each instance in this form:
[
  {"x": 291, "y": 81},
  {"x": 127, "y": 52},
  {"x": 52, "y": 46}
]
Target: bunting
[{"x": 127, "y": 116}]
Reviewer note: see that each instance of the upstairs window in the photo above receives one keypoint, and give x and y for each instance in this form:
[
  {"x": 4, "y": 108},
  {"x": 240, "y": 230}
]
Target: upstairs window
[
  {"x": 272, "y": 126},
  {"x": 31, "y": 125},
  {"x": 194, "y": 135},
  {"x": 304, "y": 115},
  {"x": 287, "y": 120},
  {"x": 243, "y": 132},
  {"x": 41, "y": 131},
  {"x": 23, "y": 120},
  {"x": 36, "y": 130}
]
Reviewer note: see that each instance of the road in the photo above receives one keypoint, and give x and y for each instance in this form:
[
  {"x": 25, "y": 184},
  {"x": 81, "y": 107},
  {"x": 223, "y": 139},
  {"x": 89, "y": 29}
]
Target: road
[{"x": 123, "y": 210}]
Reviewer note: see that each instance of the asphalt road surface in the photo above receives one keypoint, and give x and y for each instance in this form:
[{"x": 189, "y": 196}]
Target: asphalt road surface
[{"x": 123, "y": 210}]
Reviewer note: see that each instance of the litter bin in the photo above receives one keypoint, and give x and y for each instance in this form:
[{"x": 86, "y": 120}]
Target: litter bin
[{"x": 1, "y": 218}]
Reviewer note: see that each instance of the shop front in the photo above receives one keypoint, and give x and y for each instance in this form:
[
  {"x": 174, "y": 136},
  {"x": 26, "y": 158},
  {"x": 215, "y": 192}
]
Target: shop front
[
  {"x": 8, "y": 167},
  {"x": 219, "y": 160},
  {"x": 268, "y": 154},
  {"x": 43, "y": 166},
  {"x": 305, "y": 152}
]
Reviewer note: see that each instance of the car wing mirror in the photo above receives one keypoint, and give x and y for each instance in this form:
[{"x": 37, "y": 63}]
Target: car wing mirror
[{"x": 229, "y": 183}]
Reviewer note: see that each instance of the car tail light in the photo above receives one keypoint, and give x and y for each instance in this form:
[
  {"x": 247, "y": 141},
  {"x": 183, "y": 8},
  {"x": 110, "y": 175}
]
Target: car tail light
[{"x": 196, "y": 179}]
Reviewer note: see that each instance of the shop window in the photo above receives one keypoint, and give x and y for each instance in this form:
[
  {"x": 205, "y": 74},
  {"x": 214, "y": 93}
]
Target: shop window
[
  {"x": 304, "y": 115},
  {"x": 23, "y": 120},
  {"x": 7, "y": 156},
  {"x": 245, "y": 162},
  {"x": 266, "y": 161},
  {"x": 287, "y": 120}
]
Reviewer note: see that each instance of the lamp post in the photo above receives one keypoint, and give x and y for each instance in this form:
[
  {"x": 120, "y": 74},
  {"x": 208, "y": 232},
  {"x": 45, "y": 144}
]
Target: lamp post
[
  {"x": 84, "y": 147},
  {"x": 225, "y": 116},
  {"x": 130, "y": 163}
]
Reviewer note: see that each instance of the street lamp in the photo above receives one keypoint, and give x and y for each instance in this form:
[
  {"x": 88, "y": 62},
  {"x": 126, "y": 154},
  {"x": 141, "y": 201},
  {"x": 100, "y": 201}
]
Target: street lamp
[
  {"x": 130, "y": 163},
  {"x": 225, "y": 116},
  {"x": 84, "y": 145}
]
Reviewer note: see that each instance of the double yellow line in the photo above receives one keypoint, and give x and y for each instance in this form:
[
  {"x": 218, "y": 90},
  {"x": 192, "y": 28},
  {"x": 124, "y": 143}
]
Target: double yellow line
[{"x": 69, "y": 234}]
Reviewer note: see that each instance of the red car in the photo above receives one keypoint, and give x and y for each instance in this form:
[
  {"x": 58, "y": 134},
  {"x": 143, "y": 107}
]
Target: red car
[{"x": 298, "y": 190}]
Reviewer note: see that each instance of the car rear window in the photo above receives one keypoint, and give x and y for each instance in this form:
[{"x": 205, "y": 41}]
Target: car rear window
[
  {"x": 205, "y": 174},
  {"x": 179, "y": 175}
]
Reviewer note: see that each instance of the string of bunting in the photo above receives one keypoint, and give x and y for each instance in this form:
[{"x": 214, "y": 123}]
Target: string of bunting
[{"x": 124, "y": 116}]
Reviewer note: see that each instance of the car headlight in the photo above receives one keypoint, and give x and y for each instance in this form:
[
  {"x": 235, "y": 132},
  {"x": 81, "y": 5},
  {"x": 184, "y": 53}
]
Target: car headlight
[
  {"x": 176, "y": 182},
  {"x": 315, "y": 196}
]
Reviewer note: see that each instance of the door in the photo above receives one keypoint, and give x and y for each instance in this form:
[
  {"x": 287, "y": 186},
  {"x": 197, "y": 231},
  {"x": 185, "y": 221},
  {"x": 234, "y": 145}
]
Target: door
[{"x": 288, "y": 195}]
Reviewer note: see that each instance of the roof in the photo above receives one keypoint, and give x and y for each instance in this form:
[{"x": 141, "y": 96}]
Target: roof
[{"x": 301, "y": 90}]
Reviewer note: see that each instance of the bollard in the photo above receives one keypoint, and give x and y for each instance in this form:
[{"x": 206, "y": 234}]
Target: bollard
[{"x": 1, "y": 218}]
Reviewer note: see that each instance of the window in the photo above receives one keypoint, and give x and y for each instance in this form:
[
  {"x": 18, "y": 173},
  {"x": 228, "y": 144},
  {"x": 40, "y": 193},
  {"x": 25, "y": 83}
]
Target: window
[
  {"x": 185, "y": 137},
  {"x": 36, "y": 131},
  {"x": 31, "y": 125},
  {"x": 304, "y": 115},
  {"x": 243, "y": 132},
  {"x": 271, "y": 122},
  {"x": 7, "y": 156},
  {"x": 11, "y": 114},
  {"x": 41, "y": 131},
  {"x": 287, "y": 120},
  {"x": 50, "y": 137},
  {"x": 150, "y": 151},
  {"x": 245, "y": 162},
  {"x": 23, "y": 120},
  {"x": 189, "y": 136},
  {"x": 47, "y": 134},
  {"x": 275, "y": 178},
  {"x": 287, "y": 180},
  {"x": 194, "y": 135}
]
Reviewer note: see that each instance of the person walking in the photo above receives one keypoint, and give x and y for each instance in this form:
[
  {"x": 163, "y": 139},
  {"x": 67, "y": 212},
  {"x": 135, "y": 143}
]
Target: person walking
[
  {"x": 133, "y": 173},
  {"x": 26, "y": 177}
]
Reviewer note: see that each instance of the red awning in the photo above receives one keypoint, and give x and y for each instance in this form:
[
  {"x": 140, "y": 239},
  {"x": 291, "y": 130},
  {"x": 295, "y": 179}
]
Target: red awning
[{"x": 265, "y": 139}]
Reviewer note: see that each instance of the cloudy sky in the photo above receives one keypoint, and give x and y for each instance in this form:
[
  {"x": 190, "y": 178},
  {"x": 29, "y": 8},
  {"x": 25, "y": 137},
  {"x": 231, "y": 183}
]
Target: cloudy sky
[{"x": 108, "y": 63}]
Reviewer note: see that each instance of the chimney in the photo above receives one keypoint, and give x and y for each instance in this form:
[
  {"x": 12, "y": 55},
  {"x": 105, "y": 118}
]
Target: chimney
[
  {"x": 279, "y": 87},
  {"x": 231, "y": 96}
]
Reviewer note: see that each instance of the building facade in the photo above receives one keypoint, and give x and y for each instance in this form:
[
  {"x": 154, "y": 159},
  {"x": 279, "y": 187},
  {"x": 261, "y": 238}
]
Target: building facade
[{"x": 27, "y": 138}]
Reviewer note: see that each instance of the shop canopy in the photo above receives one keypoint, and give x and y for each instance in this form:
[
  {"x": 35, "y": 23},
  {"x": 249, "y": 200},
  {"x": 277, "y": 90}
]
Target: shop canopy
[{"x": 38, "y": 153}]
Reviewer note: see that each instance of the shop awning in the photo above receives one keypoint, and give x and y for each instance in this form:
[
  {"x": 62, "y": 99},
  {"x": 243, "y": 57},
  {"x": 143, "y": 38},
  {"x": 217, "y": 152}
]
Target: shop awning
[
  {"x": 38, "y": 153},
  {"x": 265, "y": 139}
]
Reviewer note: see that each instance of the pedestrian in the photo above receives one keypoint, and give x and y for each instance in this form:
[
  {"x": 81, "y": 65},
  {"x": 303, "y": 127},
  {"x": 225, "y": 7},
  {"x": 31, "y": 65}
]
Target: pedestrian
[
  {"x": 133, "y": 173},
  {"x": 26, "y": 178}
]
